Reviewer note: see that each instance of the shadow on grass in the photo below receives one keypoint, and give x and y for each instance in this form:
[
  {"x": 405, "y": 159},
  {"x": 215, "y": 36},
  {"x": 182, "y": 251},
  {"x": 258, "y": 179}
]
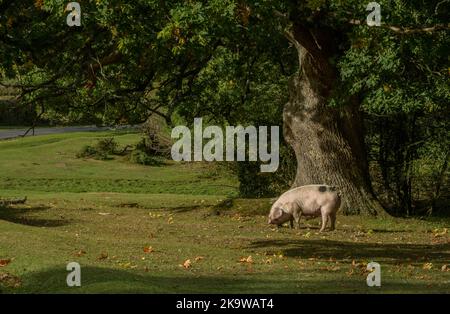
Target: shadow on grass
[
  {"x": 390, "y": 253},
  {"x": 18, "y": 215},
  {"x": 389, "y": 231},
  {"x": 106, "y": 280},
  {"x": 184, "y": 209}
]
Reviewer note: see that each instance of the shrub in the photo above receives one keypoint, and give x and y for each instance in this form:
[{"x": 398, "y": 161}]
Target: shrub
[
  {"x": 91, "y": 152},
  {"x": 140, "y": 157},
  {"x": 100, "y": 150},
  {"x": 254, "y": 183},
  {"x": 107, "y": 145}
]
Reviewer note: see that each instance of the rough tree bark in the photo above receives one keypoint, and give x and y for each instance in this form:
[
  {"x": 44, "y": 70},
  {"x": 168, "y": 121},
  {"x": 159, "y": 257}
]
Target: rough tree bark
[{"x": 328, "y": 142}]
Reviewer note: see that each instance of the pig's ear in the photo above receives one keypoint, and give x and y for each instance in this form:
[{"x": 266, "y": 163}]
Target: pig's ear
[{"x": 278, "y": 212}]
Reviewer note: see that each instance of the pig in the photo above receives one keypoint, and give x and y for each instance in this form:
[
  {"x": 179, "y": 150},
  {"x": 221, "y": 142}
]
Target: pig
[{"x": 309, "y": 201}]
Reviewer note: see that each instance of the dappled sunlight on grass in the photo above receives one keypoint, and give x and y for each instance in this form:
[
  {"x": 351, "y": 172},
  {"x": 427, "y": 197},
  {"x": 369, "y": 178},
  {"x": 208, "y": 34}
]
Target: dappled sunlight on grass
[{"x": 179, "y": 228}]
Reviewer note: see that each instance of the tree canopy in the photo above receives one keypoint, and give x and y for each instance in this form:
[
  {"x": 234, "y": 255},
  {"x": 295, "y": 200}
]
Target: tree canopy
[{"x": 231, "y": 61}]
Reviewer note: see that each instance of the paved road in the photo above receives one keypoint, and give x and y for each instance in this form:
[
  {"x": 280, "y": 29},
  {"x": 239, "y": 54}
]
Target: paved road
[{"x": 12, "y": 133}]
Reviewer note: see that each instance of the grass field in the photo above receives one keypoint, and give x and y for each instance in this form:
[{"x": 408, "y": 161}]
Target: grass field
[{"x": 171, "y": 229}]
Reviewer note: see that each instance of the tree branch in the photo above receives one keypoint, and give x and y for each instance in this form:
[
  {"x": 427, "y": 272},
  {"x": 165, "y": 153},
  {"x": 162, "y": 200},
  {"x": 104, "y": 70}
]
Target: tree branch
[{"x": 407, "y": 30}]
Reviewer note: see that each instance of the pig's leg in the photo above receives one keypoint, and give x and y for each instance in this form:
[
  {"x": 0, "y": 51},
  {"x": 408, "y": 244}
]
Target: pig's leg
[
  {"x": 324, "y": 220},
  {"x": 332, "y": 221},
  {"x": 297, "y": 215},
  {"x": 291, "y": 223}
]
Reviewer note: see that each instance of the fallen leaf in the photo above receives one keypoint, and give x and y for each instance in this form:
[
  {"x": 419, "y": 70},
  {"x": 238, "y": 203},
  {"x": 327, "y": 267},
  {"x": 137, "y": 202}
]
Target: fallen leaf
[
  {"x": 248, "y": 260},
  {"x": 4, "y": 262},
  {"x": 445, "y": 268},
  {"x": 148, "y": 249},
  {"x": 102, "y": 256},
  {"x": 153, "y": 215},
  {"x": 427, "y": 266},
  {"x": 80, "y": 253},
  {"x": 437, "y": 234},
  {"x": 187, "y": 264},
  {"x": 199, "y": 258},
  {"x": 126, "y": 265}
]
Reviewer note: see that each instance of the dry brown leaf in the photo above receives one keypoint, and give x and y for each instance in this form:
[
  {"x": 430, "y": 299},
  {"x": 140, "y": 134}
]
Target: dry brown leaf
[
  {"x": 126, "y": 265},
  {"x": 187, "y": 264},
  {"x": 80, "y": 253},
  {"x": 5, "y": 262},
  {"x": 427, "y": 266},
  {"x": 153, "y": 215},
  {"x": 199, "y": 258},
  {"x": 102, "y": 256},
  {"x": 148, "y": 249},
  {"x": 248, "y": 260},
  {"x": 436, "y": 232}
]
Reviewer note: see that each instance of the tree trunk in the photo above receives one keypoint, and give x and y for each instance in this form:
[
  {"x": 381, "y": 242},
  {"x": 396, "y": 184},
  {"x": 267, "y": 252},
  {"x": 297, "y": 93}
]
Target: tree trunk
[{"x": 328, "y": 142}]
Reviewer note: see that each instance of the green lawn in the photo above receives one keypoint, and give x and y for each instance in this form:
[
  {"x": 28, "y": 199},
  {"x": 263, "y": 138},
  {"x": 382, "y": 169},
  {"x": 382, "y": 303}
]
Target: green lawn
[{"x": 106, "y": 214}]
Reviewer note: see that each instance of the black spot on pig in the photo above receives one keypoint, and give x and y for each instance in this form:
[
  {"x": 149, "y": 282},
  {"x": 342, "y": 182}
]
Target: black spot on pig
[{"x": 322, "y": 188}]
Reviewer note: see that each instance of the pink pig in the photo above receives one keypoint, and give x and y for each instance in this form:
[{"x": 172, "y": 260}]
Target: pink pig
[{"x": 309, "y": 201}]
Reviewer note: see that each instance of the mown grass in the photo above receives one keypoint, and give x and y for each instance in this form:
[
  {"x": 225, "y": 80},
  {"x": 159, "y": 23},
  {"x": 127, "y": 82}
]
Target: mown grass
[
  {"x": 49, "y": 164},
  {"x": 88, "y": 211}
]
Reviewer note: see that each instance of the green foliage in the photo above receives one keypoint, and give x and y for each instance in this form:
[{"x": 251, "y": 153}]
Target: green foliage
[
  {"x": 101, "y": 150},
  {"x": 229, "y": 62},
  {"x": 141, "y": 157},
  {"x": 107, "y": 145},
  {"x": 91, "y": 152},
  {"x": 253, "y": 183}
]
